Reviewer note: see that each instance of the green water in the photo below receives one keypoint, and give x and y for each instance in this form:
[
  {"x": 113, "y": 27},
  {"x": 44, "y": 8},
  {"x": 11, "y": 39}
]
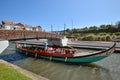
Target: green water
[{"x": 106, "y": 69}]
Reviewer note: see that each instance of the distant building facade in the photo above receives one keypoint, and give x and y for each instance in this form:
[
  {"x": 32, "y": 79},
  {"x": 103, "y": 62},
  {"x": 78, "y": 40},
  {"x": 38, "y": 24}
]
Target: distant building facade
[{"x": 7, "y": 25}]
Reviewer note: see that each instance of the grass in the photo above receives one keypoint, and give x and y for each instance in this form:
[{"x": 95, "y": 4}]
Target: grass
[{"x": 9, "y": 73}]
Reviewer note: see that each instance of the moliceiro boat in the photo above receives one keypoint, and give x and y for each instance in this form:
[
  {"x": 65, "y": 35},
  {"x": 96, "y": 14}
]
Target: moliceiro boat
[{"x": 62, "y": 54}]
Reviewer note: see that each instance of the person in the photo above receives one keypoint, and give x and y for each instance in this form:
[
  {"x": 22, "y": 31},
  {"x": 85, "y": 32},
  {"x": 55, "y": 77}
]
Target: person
[
  {"x": 50, "y": 49},
  {"x": 45, "y": 46},
  {"x": 62, "y": 51},
  {"x": 58, "y": 50}
]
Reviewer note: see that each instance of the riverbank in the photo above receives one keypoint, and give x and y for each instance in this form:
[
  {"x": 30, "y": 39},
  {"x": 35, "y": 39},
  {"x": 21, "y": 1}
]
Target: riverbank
[{"x": 30, "y": 75}]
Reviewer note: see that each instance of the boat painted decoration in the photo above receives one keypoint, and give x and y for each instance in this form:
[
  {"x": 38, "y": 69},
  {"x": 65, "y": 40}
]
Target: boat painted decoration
[{"x": 62, "y": 54}]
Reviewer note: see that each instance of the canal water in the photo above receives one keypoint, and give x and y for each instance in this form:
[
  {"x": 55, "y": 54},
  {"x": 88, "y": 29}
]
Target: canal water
[{"x": 106, "y": 69}]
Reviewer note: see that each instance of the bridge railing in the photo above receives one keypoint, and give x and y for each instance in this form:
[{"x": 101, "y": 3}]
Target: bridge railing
[{"x": 24, "y": 34}]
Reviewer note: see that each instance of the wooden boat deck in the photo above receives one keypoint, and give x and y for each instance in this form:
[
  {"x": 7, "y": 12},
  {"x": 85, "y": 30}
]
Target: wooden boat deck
[
  {"x": 85, "y": 53},
  {"x": 82, "y": 54}
]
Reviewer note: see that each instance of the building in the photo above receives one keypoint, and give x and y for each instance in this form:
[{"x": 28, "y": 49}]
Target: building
[{"x": 7, "y": 25}]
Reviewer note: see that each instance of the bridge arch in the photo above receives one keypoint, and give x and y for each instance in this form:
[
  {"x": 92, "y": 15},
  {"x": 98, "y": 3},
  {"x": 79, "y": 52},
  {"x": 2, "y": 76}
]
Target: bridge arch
[{"x": 25, "y": 34}]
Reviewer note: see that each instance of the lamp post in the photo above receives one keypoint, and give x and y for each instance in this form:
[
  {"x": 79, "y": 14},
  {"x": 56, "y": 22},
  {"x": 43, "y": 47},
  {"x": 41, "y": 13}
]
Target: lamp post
[
  {"x": 24, "y": 35},
  {"x": 72, "y": 25},
  {"x": 51, "y": 31},
  {"x": 64, "y": 29}
]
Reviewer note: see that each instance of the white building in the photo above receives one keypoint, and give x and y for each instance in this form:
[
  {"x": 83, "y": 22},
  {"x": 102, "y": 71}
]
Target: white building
[{"x": 7, "y": 25}]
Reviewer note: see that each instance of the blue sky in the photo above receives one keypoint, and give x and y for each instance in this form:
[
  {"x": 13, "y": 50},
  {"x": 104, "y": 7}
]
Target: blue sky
[{"x": 57, "y": 12}]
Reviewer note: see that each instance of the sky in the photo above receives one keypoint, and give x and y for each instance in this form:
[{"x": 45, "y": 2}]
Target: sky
[{"x": 73, "y": 13}]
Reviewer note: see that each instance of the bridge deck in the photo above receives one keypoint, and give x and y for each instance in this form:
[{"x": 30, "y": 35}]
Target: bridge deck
[
  {"x": 24, "y": 34},
  {"x": 31, "y": 42}
]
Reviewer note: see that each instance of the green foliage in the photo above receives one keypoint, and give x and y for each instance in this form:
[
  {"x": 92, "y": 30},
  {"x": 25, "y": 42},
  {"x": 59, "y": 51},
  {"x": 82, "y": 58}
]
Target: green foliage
[
  {"x": 90, "y": 37},
  {"x": 118, "y": 25},
  {"x": 117, "y": 33},
  {"x": 98, "y": 38},
  {"x": 108, "y": 38},
  {"x": 68, "y": 30},
  {"x": 39, "y": 26},
  {"x": 103, "y": 27},
  {"x": 113, "y": 36},
  {"x": 102, "y": 34},
  {"x": 103, "y": 38},
  {"x": 105, "y": 32},
  {"x": 76, "y": 35},
  {"x": 93, "y": 28}
]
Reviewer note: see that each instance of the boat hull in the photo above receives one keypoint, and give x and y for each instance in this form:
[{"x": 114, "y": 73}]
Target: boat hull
[
  {"x": 66, "y": 59},
  {"x": 75, "y": 59}
]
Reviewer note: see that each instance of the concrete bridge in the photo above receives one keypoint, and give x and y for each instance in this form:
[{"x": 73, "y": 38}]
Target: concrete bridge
[
  {"x": 24, "y": 34},
  {"x": 53, "y": 39}
]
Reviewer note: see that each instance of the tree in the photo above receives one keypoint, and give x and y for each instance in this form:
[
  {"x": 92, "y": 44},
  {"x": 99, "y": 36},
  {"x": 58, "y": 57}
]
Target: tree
[
  {"x": 118, "y": 25},
  {"x": 93, "y": 28},
  {"x": 39, "y": 26},
  {"x": 84, "y": 29},
  {"x": 68, "y": 31},
  {"x": 103, "y": 27},
  {"x": 110, "y": 28}
]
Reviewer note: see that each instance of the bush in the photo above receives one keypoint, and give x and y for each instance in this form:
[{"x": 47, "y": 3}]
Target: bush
[
  {"x": 98, "y": 38},
  {"x": 103, "y": 38},
  {"x": 90, "y": 37},
  {"x": 114, "y": 36},
  {"x": 108, "y": 38},
  {"x": 117, "y": 33},
  {"x": 102, "y": 34}
]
